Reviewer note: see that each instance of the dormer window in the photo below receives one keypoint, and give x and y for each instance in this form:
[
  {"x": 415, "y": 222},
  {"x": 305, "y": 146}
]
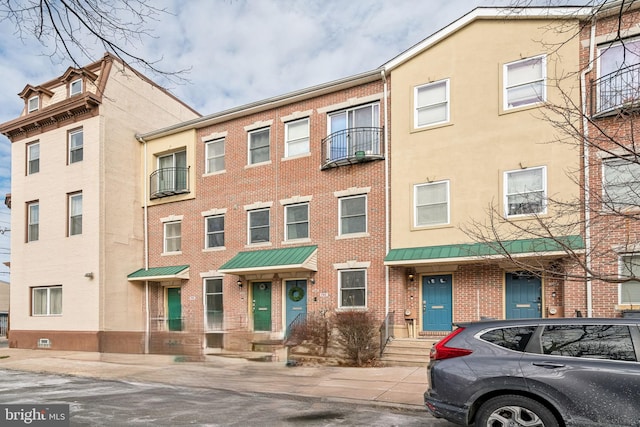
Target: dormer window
[
  {"x": 75, "y": 88},
  {"x": 33, "y": 104}
]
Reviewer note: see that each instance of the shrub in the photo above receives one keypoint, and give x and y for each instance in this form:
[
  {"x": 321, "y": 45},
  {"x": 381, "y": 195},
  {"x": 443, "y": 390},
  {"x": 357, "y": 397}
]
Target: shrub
[{"x": 357, "y": 332}]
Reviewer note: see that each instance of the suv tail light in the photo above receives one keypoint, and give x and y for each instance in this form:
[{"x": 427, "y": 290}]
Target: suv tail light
[{"x": 441, "y": 351}]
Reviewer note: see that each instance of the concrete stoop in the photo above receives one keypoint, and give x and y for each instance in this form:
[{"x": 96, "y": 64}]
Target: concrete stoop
[{"x": 408, "y": 351}]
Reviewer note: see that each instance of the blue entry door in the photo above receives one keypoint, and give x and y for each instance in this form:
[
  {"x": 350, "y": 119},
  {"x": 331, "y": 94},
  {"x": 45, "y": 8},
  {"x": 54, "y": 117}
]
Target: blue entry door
[
  {"x": 523, "y": 296},
  {"x": 296, "y": 300},
  {"x": 436, "y": 303}
]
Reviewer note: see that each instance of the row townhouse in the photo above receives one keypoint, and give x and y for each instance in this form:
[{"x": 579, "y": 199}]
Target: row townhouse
[{"x": 436, "y": 199}]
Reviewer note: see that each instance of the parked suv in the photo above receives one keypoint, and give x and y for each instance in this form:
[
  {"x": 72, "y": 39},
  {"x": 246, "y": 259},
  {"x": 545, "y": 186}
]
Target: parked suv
[{"x": 538, "y": 372}]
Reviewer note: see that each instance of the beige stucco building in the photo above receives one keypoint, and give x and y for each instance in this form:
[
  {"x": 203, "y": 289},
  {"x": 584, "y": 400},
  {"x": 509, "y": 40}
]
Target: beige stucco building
[
  {"x": 77, "y": 225},
  {"x": 471, "y": 146}
]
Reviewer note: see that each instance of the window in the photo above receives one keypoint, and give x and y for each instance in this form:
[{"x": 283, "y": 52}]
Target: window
[
  {"x": 33, "y": 221},
  {"x": 172, "y": 236},
  {"x": 512, "y": 338},
  {"x": 215, "y": 156},
  {"x": 296, "y": 137},
  {"x": 75, "y": 214},
  {"x": 213, "y": 302},
  {"x": 353, "y": 215},
  {"x": 352, "y": 130},
  {"x": 259, "y": 146},
  {"x": 297, "y": 221},
  {"x": 630, "y": 290},
  {"x": 353, "y": 288},
  {"x": 76, "y": 143},
  {"x": 172, "y": 173},
  {"x": 33, "y": 104},
  {"x": 214, "y": 230},
  {"x": 431, "y": 104},
  {"x": 259, "y": 226},
  {"x": 76, "y": 87},
  {"x": 621, "y": 184},
  {"x": 431, "y": 203},
  {"x": 525, "y": 191},
  {"x": 524, "y": 82},
  {"x": 46, "y": 301},
  {"x": 612, "y": 342},
  {"x": 33, "y": 158},
  {"x": 619, "y": 79}
]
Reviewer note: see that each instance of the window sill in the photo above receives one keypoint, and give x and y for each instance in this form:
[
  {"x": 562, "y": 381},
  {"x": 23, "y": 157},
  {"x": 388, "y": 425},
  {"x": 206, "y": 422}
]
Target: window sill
[
  {"x": 220, "y": 172},
  {"x": 295, "y": 241},
  {"x": 504, "y": 111},
  {"x": 431, "y": 227},
  {"x": 215, "y": 249},
  {"x": 352, "y": 236},
  {"x": 171, "y": 253},
  {"x": 258, "y": 245},
  {"x": 525, "y": 216},
  {"x": 297, "y": 156},
  {"x": 255, "y": 165},
  {"x": 342, "y": 309},
  {"x": 431, "y": 127}
]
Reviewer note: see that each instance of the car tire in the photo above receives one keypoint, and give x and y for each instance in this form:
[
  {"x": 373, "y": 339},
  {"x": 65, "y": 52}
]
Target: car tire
[{"x": 514, "y": 410}]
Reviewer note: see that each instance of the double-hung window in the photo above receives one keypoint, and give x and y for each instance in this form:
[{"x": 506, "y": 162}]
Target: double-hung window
[
  {"x": 46, "y": 301},
  {"x": 75, "y": 88},
  {"x": 431, "y": 203},
  {"x": 75, "y": 214},
  {"x": 215, "y": 155},
  {"x": 172, "y": 236},
  {"x": 33, "y": 158},
  {"x": 621, "y": 184},
  {"x": 525, "y": 82},
  {"x": 214, "y": 230},
  {"x": 630, "y": 289},
  {"x": 259, "y": 151},
  {"x": 619, "y": 77},
  {"x": 353, "y": 214},
  {"x": 213, "y": 304},
  {"x": 297, "y": 221},
  {"x": 33, "y": 221},
  {"x": 296, "y": 137},
  {"x": 525, "y": 191},
  {"x": 76, "y": 144},
  {"x": 353, "y": 288},
  {"x": 259, "y": 226},
  {"x": 431, "y": 104},
  {"x": 33, "y": 104}
]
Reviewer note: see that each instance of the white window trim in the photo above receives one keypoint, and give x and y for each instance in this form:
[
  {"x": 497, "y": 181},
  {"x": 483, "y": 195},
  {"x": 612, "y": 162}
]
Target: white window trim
[
  {"x": 71, "y": 198},
  {"x": 251, "y": 132},
  {"x": 286, "y": 229},
  {"x": 37, "y": 107},
  {"x": 164, "y": 237},
  {"x": 366, "y": 216},
  {"x": 29, "y": 223},
  {"x": 71, "y": 91},
  {"x": 621, "y": 258},
  {"x": 29, "y": 159},
  {"x": 603, "y": 196},
  {"x": 505, "y": 82},
  {"x": 287, "y": 141},
  {"x": 415, "y": 203},
  {"x": 249, "y": 212},
  {"x": 204, "y": 300},
  {"x": 366, "y": 283},
  {"x": 505, "y": 200},
  {"x": 70, "y": 150},
  {"x": 206, "y": 233},
  {"x": 447, "y": 102},
  {"x": 206, "y": 155},
  {"x": 48, "y": 288}
]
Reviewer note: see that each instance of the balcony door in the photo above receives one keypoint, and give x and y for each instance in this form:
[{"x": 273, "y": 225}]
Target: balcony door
[
  {"x": 171, "y": 168},
  {"x": 351, "y": 131}
]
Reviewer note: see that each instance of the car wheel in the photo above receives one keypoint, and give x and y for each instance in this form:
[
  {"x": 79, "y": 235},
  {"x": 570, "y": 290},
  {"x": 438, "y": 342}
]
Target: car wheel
[{"x": 514, "y": 411}]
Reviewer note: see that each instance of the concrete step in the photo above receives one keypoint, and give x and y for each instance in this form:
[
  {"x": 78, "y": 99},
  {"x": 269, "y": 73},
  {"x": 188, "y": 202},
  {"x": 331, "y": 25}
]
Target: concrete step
[{"x": 408, "y": 352}]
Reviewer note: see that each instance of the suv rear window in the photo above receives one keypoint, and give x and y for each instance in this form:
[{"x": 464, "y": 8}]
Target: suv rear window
[
  {"x": 591, "y": 341},
  {"x": 511, "y": 338}
]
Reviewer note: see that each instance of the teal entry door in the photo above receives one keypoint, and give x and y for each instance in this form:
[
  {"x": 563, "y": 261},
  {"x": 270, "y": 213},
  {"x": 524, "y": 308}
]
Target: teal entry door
[
  {"x": 523, "y": 295},
  {"x": 174, "y": 309},
  {"x": 261, "y": 306},
  {"x": 437, "y": 302},
  {"x": 296, "y": 300}
]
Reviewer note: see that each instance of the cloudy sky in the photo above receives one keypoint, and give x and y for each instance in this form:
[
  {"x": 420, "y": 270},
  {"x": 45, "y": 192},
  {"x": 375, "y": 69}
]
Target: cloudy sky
[{"x": 240, "y": 51}]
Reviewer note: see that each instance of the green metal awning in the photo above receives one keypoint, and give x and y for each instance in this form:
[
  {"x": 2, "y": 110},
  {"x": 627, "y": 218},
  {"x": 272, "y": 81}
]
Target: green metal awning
[
  {"x": 160, "y": 274},
  {"x": 478, "y": 251},
  {"x": 301, "y": 258}
]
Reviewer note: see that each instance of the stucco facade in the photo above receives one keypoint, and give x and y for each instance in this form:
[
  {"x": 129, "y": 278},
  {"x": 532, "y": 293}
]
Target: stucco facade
[{"x": 77, "y": 226}]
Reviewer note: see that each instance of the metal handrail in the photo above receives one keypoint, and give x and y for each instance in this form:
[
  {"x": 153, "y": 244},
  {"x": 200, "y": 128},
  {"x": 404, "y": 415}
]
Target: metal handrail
[
  {"x": 169, "y": 181},
  {"x": 620, "y": 88},
  {"x": 353, "y": 145},
  {"x": 386, "y": 331},
  {"x": 298, "y": 322}
]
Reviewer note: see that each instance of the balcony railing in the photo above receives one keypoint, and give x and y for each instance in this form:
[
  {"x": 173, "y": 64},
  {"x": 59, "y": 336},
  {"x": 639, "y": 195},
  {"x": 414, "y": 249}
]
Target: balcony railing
[
  {"x": 168, "y": 182},
  {"x": 354, "y": 145},
  {"x": 616, "y": 91}
]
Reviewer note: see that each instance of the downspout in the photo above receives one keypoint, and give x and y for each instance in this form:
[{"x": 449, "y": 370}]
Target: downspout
[
  {"x": 146, "y": 245},
  {"x": 386, "y": 192},
  {"x": 586, "y": 168}
]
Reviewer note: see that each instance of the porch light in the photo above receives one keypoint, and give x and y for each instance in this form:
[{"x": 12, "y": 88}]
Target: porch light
[{"x": 239, "y": 283}]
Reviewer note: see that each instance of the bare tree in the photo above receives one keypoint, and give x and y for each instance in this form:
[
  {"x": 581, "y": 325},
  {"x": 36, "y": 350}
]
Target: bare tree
[{"x": 68, "y": 29}]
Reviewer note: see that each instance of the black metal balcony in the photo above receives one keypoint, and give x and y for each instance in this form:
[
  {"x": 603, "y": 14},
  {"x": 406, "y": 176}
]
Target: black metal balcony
[
  {"x": 351, "y": 146},
  {"x": 616, "y": 91},
  {"x": 169, "y": 182}
]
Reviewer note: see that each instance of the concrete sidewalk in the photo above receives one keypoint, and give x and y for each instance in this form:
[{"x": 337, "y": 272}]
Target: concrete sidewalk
[{"x": 391, "y": 386}]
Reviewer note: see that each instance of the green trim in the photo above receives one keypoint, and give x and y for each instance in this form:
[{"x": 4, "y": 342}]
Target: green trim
[
  {"x": 157, "y": 272},
  {"x": 269, "y": 259},
  {"x": 491, "y": 249}
]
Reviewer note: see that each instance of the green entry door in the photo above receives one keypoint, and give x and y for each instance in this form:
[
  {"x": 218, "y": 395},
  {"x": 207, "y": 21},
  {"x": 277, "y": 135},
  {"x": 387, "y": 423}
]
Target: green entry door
[
  {"x": 174, "y": 309},
  {"x": 261, "y": 306}
]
